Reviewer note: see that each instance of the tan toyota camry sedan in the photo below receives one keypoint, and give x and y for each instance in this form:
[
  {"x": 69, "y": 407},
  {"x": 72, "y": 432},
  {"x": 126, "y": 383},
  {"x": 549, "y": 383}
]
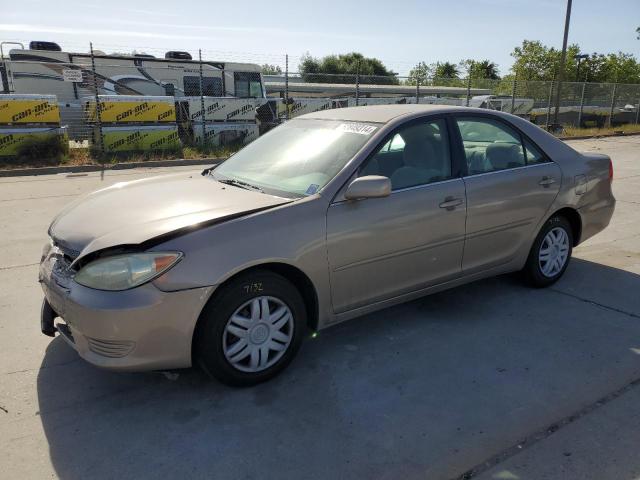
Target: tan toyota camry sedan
[{"x": 327, "y": 217}]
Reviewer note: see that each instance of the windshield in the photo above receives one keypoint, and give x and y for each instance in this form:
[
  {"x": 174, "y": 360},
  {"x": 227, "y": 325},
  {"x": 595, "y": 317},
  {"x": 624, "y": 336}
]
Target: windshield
[{"x": 298, "y": 157}]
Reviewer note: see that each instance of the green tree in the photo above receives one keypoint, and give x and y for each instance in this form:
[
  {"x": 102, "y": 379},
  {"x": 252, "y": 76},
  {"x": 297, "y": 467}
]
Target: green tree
[
  {"x": 445, "y": 70},
  {"x": 268, "y": 69},
  {"x": 614, "y": 67},
  {"x": 420, "y": 74},
  {"x": 343, "y": 69},
  {"x": 535, "y": 61},
  {"x": 622, "y": 68},
  {"x": 480, "y": 70}
]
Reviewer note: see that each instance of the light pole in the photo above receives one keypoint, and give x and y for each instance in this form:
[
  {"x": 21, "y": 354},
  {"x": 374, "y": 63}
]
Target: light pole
[{"x": 563, "y": 60}]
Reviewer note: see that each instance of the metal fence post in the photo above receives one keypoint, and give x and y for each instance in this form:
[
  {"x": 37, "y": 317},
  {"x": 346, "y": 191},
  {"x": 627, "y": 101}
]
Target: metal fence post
[
  {"x": 513, "y": 94},
  {"x": 584, "y": 87},
  {"x": 286, "y": 87},
  {"x": 638, "y": 112},
  {"x": 468, "y": 90},
  {"x": 204, "y": 131},
  {"x": 97, "y": 99},
  {"x": 358, "y": 85},
  {"x": 613, "y": 104},
  {"x": 418, "y": 90},
  {"x": 549, "y": 105}
]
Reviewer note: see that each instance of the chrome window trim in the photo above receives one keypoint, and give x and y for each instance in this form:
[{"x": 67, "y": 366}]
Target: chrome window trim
[
  {"x": 422, "y": 185},
  {"x": 507, "y": 169}
]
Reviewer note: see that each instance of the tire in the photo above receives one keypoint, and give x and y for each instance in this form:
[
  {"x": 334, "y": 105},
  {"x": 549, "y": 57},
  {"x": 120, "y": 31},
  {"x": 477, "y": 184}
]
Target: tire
[
  {"x": 555, "y": 237},
  {"x": 225, "y": 347}
]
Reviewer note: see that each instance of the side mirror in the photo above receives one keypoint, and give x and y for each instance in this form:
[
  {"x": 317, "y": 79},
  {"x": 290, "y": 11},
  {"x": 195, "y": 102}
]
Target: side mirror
[{"x": 371, "y": 186}]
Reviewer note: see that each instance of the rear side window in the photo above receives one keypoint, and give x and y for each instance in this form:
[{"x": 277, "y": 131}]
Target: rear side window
[
  {"x": 534, "y": 155},
  {"x": 490, "y": 145}
]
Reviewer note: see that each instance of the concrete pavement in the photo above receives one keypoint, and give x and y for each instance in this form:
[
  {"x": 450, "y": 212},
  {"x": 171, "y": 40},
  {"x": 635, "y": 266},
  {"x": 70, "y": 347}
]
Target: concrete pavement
[{"x": 430, "y": 389}]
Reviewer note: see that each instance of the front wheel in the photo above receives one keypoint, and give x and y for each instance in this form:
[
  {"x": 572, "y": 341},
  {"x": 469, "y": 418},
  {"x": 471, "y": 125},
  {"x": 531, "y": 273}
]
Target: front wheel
[
  {"x": 550, "y": 253},
  {"x": 251, "y": 329}
]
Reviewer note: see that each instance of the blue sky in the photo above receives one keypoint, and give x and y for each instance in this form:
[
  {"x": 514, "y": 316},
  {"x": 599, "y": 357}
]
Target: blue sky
[{"x": 400, "y": 32}]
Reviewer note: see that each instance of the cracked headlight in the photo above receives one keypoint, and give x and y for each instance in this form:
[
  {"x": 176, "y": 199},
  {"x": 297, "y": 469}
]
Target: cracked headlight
[{"x": 122, "y": 272}]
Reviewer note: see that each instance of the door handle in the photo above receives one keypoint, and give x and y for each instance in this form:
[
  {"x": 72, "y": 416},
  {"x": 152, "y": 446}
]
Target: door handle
[
  {"x": 450, "y": 203},
  {"x": 547, "y": 181}
]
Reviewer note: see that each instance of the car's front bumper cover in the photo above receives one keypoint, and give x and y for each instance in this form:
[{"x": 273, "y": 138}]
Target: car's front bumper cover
[{"x": 139, "y": 329}]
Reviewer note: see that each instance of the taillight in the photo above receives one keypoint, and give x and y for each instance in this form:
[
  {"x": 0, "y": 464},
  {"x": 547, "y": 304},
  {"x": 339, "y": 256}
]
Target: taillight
[{"x": 610, "y": 170}]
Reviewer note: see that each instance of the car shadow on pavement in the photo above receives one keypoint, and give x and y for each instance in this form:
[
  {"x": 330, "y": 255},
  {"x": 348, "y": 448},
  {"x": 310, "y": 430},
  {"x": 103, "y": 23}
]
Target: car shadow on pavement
[{"x": 422, "y": 390}]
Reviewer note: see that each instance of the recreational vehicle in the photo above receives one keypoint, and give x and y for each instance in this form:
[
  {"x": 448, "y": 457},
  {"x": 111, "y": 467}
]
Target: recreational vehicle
[{"x": 44, "y": 68}]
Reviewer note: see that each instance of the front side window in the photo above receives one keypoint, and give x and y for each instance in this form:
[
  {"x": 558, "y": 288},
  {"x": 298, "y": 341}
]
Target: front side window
[
  {"x": 296, "y": 158},
  {"x": 247, "y": 84},
  {"x": 490, "y": 145},
  {"x": 417, "y": 154}
]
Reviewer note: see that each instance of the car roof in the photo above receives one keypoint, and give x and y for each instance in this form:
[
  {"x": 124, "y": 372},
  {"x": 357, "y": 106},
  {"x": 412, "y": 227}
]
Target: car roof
[{"x": 382, "y": 113}]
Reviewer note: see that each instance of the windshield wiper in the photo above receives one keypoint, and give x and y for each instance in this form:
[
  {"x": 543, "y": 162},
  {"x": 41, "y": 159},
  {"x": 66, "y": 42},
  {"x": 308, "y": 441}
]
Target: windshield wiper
[{"x": 240, "y": 184}]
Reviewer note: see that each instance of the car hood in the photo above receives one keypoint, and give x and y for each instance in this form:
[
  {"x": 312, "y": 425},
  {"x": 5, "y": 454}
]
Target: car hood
[{"x": 130, "y": 213}]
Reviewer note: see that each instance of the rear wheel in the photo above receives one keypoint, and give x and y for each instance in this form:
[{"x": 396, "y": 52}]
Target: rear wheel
[
  {"x": 550, "y": 253},
  {"x": 251, "y": 329}
]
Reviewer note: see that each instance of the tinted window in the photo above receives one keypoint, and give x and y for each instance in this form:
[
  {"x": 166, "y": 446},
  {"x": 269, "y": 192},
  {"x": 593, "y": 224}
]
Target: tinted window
[
  {"x": 416, "y": 155},
  {"x": 534, "y": 155},
  {"x": 490, "y": 145},
  {"x": 212, "y": 87},
  {"x": 247, "y": 84}
]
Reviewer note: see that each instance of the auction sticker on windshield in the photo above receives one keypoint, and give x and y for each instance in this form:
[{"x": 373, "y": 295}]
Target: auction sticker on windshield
[{"x": 360, "y": 128}]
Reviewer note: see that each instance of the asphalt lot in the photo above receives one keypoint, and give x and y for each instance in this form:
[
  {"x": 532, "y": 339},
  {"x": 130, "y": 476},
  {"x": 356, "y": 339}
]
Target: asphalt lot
[{"x": 514, "y": 382}]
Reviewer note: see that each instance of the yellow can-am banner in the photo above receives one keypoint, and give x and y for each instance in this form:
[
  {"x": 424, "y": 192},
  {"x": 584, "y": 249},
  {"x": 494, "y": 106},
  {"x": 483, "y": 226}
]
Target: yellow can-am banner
[
  {"x": 25, "y": 109},
  {"x": 126, "y": 139},
  {"x": 12, "y": 140},
  {"x": 128, "y": 109}
]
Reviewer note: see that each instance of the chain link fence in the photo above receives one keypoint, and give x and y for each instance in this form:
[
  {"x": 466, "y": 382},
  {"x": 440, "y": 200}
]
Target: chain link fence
[{"x": 112, "y": 103}]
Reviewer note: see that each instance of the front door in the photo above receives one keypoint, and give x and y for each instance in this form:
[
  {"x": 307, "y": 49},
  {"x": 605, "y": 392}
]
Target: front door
[{"x": 384, "y": 247}]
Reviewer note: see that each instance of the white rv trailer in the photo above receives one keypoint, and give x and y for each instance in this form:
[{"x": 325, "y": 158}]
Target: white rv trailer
[
  {"x": 55, "y": 72},
  {"x": 45, "y": 69}
]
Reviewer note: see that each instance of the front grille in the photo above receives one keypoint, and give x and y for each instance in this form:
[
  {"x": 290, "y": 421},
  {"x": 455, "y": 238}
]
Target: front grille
[{"x": 110, "y": 348}]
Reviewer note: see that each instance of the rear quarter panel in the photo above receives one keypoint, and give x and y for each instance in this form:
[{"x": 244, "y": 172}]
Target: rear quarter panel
[{"x": 585, "y": 180}]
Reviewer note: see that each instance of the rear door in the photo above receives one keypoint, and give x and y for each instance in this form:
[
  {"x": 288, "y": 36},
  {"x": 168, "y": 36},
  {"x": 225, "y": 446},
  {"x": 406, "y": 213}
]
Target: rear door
[{"x": 510, "y": 185}]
